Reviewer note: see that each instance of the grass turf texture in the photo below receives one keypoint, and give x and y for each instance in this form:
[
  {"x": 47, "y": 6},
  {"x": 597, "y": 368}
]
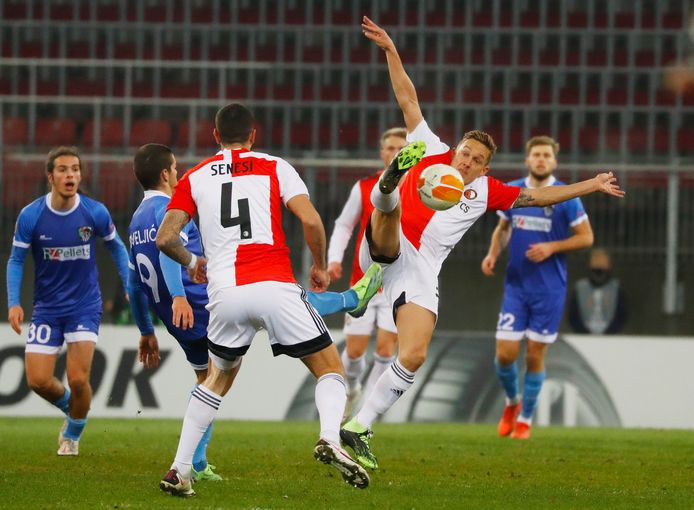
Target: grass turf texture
[{"x": 423, "y": 466}]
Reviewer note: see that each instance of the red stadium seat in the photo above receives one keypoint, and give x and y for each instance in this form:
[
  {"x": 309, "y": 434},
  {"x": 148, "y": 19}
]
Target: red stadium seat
[
  {"x": 331, "y": 92},
  {"x": 569, "y": 95},
  {"x": 577, "y": 19},
  {"x": 283, "y": 91},
  {"x": 237, "y": 91},
  {"x": 22, "y": 182},
  {"x": 52, "y": 132},
  {"x": 521, "y": 95},
  {"x": 624, "y": 20},
  {"x": 116, "y": 183},
  {"x": 203, "y": 134},
  {"x": 85, "y": 88},
  {"x": 111, "y": 133},
  {"x": 300, "y": 135},
  {"x": 662, "y": 140},
  {"x": 588, "y": 139},
  {"x": 637, "y": 139},
  {"x": 14, "y": 131},
  {"x": 617, "y": 95},
  {"x": 150, "y": 131},
  {"x": 180, "y": 89},
  {"x": 685, "y": 141},
  {"x": 348, "y": 136},
  {"x": 15, "y": 10}
]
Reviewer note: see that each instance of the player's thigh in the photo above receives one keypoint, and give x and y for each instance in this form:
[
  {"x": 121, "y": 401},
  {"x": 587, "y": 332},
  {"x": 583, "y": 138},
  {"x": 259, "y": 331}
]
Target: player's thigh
[
  {"x": 39, "y": 368},
  {"x": 234, "y": 320},
  {"x": 507, "y": 351},
  {"x": 546, "y": 310},
  {"x": 415, "y": 329},
  {"x": 384, "y": 315},
  {"x": 513, "y": 316},
  {"x": 79, "y": 361}
]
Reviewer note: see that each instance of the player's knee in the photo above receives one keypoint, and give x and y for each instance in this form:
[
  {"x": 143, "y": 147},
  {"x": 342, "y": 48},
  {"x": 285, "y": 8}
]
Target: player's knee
[
  {"x": 505, "y": 358},
  {"x": 79, "y": 383},
  {"x": 413, "y": 360},
  {"x": 385, "y": 350},
  {"x": 39, "y": 384}
]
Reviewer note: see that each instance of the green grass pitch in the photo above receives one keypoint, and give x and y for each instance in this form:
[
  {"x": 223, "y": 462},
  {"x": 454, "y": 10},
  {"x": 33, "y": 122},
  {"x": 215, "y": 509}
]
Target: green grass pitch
[{"x": 423, "y": 466}]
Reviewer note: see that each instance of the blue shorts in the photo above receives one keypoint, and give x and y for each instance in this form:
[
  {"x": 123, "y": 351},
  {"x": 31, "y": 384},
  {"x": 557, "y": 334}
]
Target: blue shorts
[
  {"x": 196, "y": 352},
  {"x": 536, "y": 315},
  {"x": 47, "y": 334}
]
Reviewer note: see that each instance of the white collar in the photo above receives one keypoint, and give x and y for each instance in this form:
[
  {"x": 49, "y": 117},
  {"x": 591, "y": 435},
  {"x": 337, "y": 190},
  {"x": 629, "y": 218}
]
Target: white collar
[
  {"x": 151, "y": 193},
  {"x": 61, "y": 213},
  {"x": 550, "y": 181}
]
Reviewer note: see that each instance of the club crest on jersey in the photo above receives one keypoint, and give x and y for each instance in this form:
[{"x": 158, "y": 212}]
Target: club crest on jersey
[
  {"x": 85, "y": 233},
  {"x": 470, "y": 194}
]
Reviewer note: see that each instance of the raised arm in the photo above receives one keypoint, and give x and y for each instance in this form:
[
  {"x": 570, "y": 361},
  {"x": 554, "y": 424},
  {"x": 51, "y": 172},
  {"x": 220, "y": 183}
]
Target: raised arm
[
  {"x": 314, "y": 235},
  {"x": 405, "y": 93},
  {"x": 550, "y": 195}
]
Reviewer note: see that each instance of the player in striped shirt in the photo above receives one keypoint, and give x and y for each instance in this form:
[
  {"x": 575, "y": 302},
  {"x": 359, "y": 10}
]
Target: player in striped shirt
[
  {"x": 413, "y": 241},
  {"x": 238, "y": 195},
  {"x": 60, "y": 229},
  {"x": 379, "y": 315}
]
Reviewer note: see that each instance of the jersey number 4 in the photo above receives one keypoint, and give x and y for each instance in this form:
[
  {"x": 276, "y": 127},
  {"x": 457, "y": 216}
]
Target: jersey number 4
[{"x": 243, "y": 219}]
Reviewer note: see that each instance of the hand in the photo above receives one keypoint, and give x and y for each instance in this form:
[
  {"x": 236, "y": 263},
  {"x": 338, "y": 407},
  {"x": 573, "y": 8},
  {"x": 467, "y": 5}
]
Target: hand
[
  {"x": 335, "y": 271},
  {"x": 539, "y": 252},
  {"x": 320, "y": 279},
  {"x": 199, "y": 273},
  {"x": 372, "y": 31},
  {"x": 148, "y": 351},
  {"x": 182, "y": 313},
  {"x": 15, "y": 315},
  {"x": 607, "y": 183},
  {"x": 488, "y": 264}
]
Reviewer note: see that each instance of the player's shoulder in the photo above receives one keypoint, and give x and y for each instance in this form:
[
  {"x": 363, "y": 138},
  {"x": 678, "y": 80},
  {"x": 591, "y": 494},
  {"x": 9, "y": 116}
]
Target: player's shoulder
[
  {"x": 518, "y": 182},
  {"x": 264, "y": 156},
  {"x": 92, "y": 204},
  {"x": 32, "y": 211}
]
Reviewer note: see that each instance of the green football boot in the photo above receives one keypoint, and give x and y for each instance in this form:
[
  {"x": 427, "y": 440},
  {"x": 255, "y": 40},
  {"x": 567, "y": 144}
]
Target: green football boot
[
  {"x": 357, "y": 437},
  {"x": 408, "y": 157},
  {"x": 366, "y": 288}
]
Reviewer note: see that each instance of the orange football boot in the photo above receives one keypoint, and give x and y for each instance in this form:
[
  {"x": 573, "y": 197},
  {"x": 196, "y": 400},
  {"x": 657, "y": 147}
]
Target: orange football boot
[
  {"x": 521, "y": 431},
  {"x": 508, "y": 419}
]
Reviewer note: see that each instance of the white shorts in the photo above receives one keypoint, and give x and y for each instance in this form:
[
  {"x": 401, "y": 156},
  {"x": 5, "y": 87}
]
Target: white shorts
[
  {"x": 409, "y": 279},
  {"x": 237, "y": 313},
  {"x": 379, "y": 314}
]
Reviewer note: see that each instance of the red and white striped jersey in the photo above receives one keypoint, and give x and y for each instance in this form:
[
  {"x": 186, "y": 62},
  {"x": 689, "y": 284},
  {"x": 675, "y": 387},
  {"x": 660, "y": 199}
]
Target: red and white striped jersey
[
  {"x": 357, "y": 209},
  {"x": 238, "y": 195},
  {"x": 435, "y": 233}
]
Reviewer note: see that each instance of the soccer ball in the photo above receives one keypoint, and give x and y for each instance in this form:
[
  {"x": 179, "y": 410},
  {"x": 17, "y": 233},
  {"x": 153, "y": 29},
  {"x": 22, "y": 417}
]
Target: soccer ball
[{"x": 440, "y": 187}]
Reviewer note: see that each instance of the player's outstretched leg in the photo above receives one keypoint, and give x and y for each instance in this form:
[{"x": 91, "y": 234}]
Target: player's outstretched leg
[
  {"x": 352, "y": 473},
  {"x": 531, "y": 390},
  {"x": 356, "y": 436},
  {"x": 176, "y": 485},
  {"x": 408, "y": 157},
  {"x": 203, "y": 470},
  {"x": 366, "y": 288}
]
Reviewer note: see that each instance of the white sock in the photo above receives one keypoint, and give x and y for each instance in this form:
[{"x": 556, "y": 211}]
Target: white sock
[
  {"x": 387, "y": 390},
  {"x": 202, "y": 408},
  {"x": 354, "y": 369},
  {"x": 379, "y": 366},
  {"x": 382, "y": 202},
  {"x": 331, "y": 397}
]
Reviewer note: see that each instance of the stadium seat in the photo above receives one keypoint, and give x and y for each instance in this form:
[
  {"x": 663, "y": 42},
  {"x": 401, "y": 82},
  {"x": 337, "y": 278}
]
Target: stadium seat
[
  {"x": 577, "y": 19},
  {"x": 14, "y": 130},
  {"x": 589, "y": 139},
  {"x": 569, "y": 95},
  {"x": 637, "y": 139},
  {"x": 203, "y": 134},
  {"x": 111, "y": 133},
  {"x": 150, "y": 131},
  {"x": 685, "y": 141},
  {"x": 521, "y": 95},
  {"x": 22, "y": 182},
  {"x": 624, "y": 20},
  {"x": 116, "y": 184},
  {"x": 348, "y": 136},
  {"x": 80, "y": 87},
  {"x": 52, "y": 132},
  {"x": 180, "y": 89}
]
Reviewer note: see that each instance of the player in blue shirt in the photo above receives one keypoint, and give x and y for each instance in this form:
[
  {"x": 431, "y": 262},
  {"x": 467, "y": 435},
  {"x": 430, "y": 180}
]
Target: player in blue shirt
[
  {"x": 60, "y": 229},
  {"x": 535, "y": 286},
  {"x": 157, "y": 280}
]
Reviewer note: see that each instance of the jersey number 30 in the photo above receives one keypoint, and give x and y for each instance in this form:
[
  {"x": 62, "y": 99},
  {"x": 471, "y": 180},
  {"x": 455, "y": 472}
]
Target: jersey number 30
[{"x": 243, "y": 220}]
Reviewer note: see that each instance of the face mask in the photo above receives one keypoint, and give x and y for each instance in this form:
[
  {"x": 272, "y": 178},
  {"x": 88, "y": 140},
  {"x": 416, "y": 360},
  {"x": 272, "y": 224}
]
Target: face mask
[{"x": 599, "y": 276}]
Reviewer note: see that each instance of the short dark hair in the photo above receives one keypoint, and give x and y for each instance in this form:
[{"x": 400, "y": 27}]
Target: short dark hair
[
  {"x": 234, "y": 123},
  {"x": 542, "y": 140},
  {"x": 63, "y": 150},
  {"x": 149, "y": 161},
  {"x": 484, "y": 138}
]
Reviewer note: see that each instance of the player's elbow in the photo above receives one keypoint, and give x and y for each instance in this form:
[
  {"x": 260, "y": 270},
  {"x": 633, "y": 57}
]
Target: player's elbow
[{"x": 162, "y": 240}]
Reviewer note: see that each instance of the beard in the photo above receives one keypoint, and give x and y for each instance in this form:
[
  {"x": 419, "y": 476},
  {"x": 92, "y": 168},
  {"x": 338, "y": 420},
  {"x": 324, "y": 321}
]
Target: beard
[{"x": 540, "y": 177}]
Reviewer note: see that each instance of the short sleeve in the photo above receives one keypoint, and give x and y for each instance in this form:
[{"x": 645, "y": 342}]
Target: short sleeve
[
  {"x": 423, "y": 133},
  {"x": 24, "y": 229},
  {"x": 500, "y": 196},
  {"x": 291, "y": 184},
  {"x": 183, "y": 197},
  {"x": 103, "y": 224},
  {"x": 575, "y": 212}
]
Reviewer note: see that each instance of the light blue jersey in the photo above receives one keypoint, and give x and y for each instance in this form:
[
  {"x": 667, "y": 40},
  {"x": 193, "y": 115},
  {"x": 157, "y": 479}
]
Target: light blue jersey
[
  {"x": 534, "y": 293},
  {"x": 145, "y": 261}
]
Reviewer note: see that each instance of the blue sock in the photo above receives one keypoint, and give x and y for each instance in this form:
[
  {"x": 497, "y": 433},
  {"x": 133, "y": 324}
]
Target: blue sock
[
  {"x": 327, "y": 303},
  {"x": 508, "y": 376},
  {"x": 531, "y": 389},
  {"x": 63, "y": 403},
  {"x": 200, "y": 455},
  {"x": 74, "y": 428}
]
